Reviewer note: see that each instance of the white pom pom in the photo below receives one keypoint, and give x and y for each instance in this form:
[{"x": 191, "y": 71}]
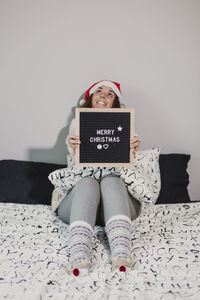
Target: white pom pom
[{"x": 81, "y": 102}]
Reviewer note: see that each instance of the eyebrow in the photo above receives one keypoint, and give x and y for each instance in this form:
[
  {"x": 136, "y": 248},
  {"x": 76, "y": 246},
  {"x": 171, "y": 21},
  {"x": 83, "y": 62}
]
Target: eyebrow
[{"x": 110, "y": 90}]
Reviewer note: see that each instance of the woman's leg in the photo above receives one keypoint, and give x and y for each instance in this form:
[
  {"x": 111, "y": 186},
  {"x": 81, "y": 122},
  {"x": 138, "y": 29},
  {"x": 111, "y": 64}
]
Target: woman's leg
[
  {"x": 79, "y": 209},
  {"x": 118, "y": 210},
  {"x": 135, "y": 207},
  {"x": 116, "y": 200},
  {"x": 81, "y": 203}
]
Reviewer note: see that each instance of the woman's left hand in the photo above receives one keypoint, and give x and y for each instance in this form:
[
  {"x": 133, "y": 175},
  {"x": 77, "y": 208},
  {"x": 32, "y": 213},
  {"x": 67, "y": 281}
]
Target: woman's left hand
[{"x": 135, "y": 144}]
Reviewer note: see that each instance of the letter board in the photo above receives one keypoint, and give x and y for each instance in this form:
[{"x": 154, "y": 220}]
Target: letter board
[{"x": 105, "y": 136}]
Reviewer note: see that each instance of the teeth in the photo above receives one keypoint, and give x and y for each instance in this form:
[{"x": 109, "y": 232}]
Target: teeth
[{"x": 101, "y": 103}]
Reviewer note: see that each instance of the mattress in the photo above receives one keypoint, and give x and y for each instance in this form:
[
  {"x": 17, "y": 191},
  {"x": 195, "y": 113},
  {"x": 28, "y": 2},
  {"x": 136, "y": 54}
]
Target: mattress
[{"x": 165, "y": 246}]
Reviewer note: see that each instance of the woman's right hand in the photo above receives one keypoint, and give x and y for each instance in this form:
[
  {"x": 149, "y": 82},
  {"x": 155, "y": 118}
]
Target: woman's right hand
[{"x": 73, "y": 141}]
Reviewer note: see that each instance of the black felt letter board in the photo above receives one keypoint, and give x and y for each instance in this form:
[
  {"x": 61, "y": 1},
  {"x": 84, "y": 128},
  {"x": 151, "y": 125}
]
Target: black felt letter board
[{"x": 105, "y": 136}]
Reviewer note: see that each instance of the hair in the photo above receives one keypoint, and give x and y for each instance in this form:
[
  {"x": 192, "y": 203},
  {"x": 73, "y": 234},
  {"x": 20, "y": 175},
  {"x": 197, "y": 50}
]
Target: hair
[{"x": 88, "y": 102}]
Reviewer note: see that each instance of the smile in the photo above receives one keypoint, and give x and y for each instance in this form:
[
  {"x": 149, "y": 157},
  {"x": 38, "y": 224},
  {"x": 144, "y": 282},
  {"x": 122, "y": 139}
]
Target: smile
[{"x": 101, "y": 103}]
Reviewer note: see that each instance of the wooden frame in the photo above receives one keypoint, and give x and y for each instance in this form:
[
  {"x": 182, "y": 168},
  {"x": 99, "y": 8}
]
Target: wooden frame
[{"x": 100, "y": 112}]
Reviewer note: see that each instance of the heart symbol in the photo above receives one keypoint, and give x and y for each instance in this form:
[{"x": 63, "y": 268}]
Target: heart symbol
[{"x": 105, "y": 146}]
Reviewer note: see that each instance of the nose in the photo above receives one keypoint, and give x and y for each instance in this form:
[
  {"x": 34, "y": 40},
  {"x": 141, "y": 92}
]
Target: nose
[{"x": 103, "y": 94}]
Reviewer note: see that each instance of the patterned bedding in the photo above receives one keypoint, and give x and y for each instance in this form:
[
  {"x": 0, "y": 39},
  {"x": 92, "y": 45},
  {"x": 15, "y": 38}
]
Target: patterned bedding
[{"x": 165, "y": 246}]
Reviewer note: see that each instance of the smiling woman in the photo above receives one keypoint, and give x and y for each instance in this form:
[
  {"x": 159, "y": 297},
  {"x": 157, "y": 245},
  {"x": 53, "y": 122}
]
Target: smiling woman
[
  {"x": 102, "y": 95},
  {"x": 90, "y": 201}
]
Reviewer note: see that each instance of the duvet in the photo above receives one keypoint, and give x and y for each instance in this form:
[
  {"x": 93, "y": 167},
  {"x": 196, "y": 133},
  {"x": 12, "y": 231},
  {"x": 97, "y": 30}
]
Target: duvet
[{"x": 165, "y": 247}]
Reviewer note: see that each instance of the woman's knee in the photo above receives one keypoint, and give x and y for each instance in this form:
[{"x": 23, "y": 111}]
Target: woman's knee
[
  {"x": 88, "y": 182},
  {"x": 88, "y": 189},
  {"x": 112, "y": 181}
]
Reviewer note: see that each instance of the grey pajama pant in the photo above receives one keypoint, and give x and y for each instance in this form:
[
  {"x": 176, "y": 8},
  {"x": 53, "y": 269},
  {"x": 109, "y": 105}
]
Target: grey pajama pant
[{"x": 96, "y": 202}]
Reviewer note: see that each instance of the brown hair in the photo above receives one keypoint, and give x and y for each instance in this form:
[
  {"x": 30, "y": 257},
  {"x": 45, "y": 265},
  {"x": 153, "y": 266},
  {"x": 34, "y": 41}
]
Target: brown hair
[{"x": 88, "y": 102}]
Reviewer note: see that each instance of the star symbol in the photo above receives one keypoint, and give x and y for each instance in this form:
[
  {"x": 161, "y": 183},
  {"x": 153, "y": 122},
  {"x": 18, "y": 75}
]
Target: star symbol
[{"x": 119, "y": 128}]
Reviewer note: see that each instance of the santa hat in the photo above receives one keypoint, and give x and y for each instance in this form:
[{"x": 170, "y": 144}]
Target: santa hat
[{"x": 115, "y": 86}]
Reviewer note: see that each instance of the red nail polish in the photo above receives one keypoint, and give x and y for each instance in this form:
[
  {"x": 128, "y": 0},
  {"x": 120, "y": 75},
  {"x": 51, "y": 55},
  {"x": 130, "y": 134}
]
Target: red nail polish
[{"x": 76, "y": 272}]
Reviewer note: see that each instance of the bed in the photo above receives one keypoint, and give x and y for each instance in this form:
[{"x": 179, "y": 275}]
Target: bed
[{"x": 34, "y": 241}]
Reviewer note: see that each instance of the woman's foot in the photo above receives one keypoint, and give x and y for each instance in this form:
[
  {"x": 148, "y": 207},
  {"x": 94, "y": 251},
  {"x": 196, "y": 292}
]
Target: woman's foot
[
  {"x": 122, "y": 265},
  {"x": 80, "y": 240},
  {"x": 118, "y": 230},
  {"x": 80, "y": 270}
]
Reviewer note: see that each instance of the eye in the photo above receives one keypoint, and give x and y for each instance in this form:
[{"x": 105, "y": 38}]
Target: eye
[{"x": 98, "y": 91}]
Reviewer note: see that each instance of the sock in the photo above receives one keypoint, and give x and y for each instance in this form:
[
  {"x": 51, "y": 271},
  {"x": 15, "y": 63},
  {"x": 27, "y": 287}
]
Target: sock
[
  {"x": 80, "y": 240},
  {"x": 118, "y": 230}
]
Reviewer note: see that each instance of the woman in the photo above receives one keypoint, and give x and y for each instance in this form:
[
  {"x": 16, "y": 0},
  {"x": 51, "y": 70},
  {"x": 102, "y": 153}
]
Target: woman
[{"x": 104, "y": 202}]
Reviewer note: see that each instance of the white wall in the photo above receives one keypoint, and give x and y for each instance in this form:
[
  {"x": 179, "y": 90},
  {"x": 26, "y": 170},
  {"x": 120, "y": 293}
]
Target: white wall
[{"x": 51, "y": 51}]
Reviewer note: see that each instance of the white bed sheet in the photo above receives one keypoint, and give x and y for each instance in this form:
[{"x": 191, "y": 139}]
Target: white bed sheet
[{"x": 165, "y": 246}]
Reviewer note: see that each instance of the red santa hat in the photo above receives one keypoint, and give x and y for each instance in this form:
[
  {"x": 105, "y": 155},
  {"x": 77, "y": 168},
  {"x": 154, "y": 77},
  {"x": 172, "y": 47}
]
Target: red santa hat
[{"x": 115, "y": 86}]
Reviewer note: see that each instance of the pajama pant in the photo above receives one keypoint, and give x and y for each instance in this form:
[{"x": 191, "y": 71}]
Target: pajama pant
[{"x": 96, "y": 202}]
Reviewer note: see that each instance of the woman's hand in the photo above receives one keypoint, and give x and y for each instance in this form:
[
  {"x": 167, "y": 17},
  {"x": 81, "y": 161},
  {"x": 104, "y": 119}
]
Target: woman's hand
[
  {"x": 135, "y": 144},
  {"x": 74, "y": 141}
]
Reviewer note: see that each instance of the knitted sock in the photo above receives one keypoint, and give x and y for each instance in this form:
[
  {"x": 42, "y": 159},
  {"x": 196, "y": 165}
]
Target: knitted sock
[
  {"x": 80, "y": 233},
  {"x": 119, "y": 237}
]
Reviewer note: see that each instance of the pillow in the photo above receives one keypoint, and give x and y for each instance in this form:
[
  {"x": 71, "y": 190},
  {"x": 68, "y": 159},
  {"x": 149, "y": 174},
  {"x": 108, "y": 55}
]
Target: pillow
[
  {"x": 26, "y": 182},
  {"x": 143, "y": 180},
  {"x": 174, "y": 178}
]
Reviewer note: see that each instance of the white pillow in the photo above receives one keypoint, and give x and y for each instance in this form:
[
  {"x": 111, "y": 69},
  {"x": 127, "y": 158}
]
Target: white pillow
[{"x": 143, "y": 180}]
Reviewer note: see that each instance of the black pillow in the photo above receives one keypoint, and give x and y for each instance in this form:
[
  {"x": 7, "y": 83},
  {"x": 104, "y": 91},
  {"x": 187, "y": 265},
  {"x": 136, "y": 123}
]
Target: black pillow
[
  {"x": 174, "y": 178},
  {"x": 26, "y": 182}
]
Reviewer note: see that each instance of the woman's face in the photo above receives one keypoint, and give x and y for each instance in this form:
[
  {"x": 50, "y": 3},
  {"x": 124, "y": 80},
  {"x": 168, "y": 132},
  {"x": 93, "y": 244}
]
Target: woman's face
[{"x": 103, "y": 97}]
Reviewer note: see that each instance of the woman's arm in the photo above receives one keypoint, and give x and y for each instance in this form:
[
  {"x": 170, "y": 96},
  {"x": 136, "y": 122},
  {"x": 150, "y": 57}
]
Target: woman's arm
[{"x": 72, "y": 140}]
